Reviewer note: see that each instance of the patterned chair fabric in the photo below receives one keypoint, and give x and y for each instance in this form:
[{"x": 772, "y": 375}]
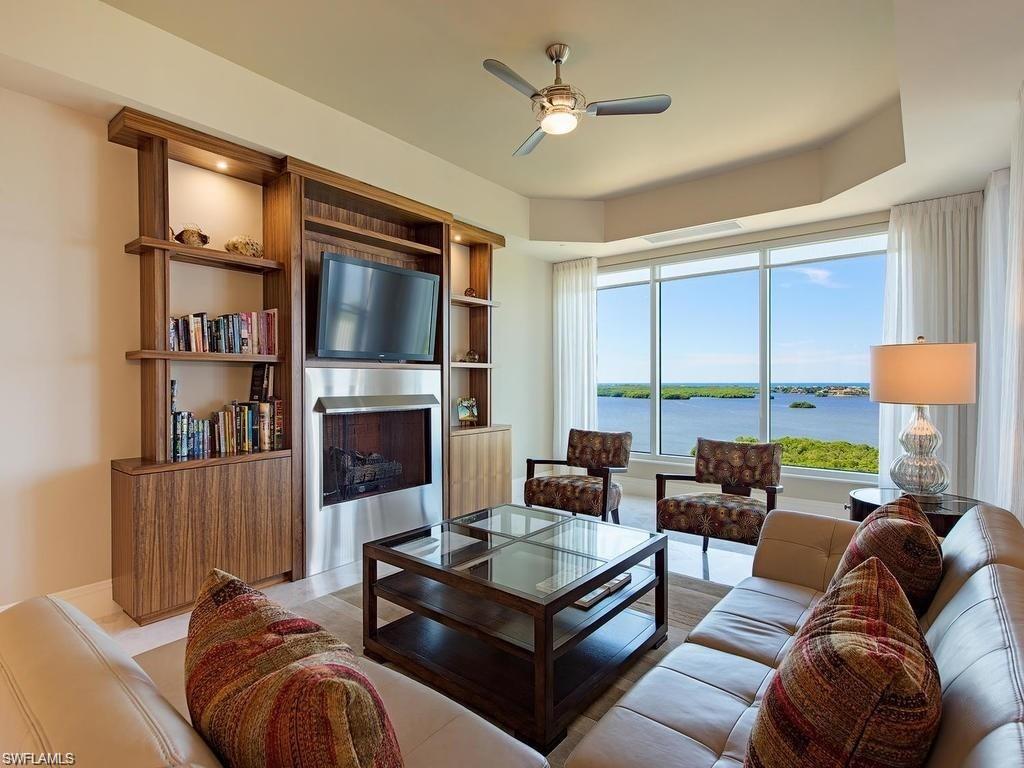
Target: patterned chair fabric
[
  {"x": 750, "y": 465},
  {"x": 718, "y": 515},
  {"x": 579, "y": 494},
  {"x": 598, "y": 449}
]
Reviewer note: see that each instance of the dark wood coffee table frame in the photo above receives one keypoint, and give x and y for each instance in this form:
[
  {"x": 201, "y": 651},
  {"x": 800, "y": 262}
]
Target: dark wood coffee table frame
[{"x": 531, "y": 664}]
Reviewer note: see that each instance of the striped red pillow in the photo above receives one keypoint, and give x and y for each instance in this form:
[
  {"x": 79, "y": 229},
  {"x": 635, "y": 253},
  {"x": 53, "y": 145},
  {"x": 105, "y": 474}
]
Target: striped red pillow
[
  {"x": 269, "y": 689},
  {"x": 858, "y": 688},
  {"x": 900, "y": 536}
]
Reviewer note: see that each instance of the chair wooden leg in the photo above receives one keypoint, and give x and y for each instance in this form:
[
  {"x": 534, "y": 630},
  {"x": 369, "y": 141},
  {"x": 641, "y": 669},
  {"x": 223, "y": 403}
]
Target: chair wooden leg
[{"x": 705, "y": 547}]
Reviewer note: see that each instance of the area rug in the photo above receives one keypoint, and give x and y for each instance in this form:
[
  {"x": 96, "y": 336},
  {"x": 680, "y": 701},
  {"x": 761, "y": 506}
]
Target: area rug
[{"x": 689, "y": 600}]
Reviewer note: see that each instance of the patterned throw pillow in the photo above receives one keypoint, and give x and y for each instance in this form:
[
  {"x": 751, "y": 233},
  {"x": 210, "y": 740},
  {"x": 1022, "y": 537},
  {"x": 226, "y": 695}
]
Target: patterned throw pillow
[
  {"x": 267, "y": 688},
  {"x": 900, "y": 536},
  {"x": 858, "y": 688}
]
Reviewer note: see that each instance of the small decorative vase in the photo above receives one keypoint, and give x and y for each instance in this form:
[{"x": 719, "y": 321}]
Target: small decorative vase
[
  {"x": 471, "y": 292},
  {"x": 244, "y": 246},
  {"x": 919, "y": 471},
  {"x": 192, "y": 235},
  {"x": 472, "y": 356}
]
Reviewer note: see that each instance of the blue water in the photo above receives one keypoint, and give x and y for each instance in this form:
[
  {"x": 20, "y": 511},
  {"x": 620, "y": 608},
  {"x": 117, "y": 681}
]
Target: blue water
[{"x": 854, "y": 419}]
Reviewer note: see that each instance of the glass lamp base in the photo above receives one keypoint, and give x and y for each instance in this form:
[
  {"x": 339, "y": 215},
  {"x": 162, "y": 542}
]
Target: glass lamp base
[{"x": 919, "y": 471}]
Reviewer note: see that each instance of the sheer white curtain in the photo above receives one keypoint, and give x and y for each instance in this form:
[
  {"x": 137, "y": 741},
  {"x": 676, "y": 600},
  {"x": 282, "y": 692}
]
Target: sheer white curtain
[
  {"x": 575, "y": 349},
  {"x": 931, "y": 290},
  {"x": 993, "y": 331},
  {"x": 1000, "y": 454}
]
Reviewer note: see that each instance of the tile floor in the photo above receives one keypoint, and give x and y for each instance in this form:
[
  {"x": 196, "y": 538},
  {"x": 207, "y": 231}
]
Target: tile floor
[{"x": 724, "y": 563}]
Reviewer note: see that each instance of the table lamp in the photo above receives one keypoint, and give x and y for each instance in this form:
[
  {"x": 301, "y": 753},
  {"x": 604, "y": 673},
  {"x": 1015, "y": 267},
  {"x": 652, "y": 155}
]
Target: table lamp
[{"x": 922, "y": 374}]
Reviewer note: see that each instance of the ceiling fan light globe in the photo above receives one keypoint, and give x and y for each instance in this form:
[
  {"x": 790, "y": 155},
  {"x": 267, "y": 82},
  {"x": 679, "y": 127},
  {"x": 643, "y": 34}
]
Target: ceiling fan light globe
[{"x": 557, "y": 122}]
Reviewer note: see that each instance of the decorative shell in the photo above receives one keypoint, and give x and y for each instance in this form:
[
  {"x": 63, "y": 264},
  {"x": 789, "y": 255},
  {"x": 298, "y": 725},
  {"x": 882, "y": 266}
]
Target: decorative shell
[
  {"x": 471, "y": 292},
  {"x": 244, "y": 246},
  {"x": 472, "y": 356},
  {"x": 193, "y": 235}
]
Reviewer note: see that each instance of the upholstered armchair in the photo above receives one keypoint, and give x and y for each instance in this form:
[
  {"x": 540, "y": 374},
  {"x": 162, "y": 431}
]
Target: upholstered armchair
[
  {"x": 733, "y": 514},
  {"x": 602, "y": 454}
]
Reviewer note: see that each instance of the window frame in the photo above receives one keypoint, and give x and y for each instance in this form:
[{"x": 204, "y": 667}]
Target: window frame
[{"x": 764, "y": 268}]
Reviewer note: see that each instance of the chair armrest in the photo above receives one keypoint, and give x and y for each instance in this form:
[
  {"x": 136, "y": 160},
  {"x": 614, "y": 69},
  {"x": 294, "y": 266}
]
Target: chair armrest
[
  {"x": 801, "y": 548},
  {"x": 772, "y": 491},
  {"x": 532, "y": 463},
  {"x": 662, "y": 478}
]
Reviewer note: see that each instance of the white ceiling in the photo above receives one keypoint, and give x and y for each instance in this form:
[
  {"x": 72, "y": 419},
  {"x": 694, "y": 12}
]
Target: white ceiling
[{"x": 749, "y": 80}]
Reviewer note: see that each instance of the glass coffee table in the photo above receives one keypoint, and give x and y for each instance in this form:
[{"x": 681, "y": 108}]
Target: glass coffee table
[{"x": 496, "y": 618}]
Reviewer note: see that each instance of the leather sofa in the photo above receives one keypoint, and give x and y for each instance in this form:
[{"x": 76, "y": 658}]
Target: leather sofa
[
  {"x": 695, "y": 709},
  {"x": 67, "y": 687}
]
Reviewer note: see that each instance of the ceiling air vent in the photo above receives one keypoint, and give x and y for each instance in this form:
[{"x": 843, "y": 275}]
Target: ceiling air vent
[{"x": 689, "y": 233}]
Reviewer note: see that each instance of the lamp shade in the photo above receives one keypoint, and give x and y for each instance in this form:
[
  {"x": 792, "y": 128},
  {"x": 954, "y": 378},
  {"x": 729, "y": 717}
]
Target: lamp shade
[{"x": 923, "y": 373}]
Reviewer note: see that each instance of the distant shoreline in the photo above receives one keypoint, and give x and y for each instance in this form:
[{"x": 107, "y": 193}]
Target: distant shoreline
[{"x": 731, "y": 391}]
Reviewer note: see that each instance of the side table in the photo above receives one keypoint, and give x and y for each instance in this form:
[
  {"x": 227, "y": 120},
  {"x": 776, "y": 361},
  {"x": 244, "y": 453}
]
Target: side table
[{"x": 943, "y": 510}]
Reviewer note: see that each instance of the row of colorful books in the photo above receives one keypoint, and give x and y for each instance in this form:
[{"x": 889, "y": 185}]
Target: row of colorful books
[
  {"x": 239, "y": 427},
  {"x": 241, "y": 332}
]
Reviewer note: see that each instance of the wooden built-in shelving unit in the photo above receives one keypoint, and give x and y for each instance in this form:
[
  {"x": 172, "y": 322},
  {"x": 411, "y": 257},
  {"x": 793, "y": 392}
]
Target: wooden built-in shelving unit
[
  {"x": 480, "y": 455},
  {"x": 172, "y": 521}
]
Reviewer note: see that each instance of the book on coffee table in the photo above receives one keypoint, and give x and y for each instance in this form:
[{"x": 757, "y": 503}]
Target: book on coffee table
[{"x": 595, "y": 596}]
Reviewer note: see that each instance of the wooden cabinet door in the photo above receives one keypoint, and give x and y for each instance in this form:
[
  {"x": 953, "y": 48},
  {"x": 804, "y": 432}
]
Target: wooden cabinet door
[
  {"x": 172, "y": 528},
  {"x": 480, "y": 470}
]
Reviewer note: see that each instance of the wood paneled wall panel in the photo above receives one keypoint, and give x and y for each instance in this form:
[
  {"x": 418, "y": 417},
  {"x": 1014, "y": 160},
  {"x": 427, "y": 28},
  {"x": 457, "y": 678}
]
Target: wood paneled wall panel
[
  {"x": 282, "y": 239},
  {"x": 481, "y": 470}
]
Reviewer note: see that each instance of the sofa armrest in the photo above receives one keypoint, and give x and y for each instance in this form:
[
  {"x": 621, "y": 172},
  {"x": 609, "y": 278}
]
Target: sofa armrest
[{"x": 801, "y": 548}]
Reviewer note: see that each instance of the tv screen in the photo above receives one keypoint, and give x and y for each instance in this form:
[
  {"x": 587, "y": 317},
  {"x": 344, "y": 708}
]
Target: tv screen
[{"x": 372, "y": 311}]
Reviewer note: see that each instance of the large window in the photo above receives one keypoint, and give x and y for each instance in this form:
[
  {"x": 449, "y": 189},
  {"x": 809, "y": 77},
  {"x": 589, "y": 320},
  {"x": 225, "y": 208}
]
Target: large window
[
  {"x": 624, "y": 354},
  {"x": 766, "y": 343}
]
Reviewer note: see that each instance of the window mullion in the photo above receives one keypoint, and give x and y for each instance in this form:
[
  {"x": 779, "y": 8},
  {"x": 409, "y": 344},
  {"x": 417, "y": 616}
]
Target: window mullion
[
  {"x": 655, "y": 370},
  {"x": 764, "y": 363}
]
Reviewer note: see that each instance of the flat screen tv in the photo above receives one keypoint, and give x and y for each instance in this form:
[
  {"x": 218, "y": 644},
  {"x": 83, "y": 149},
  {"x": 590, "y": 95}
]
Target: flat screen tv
[{"x": 372, "y": 311}]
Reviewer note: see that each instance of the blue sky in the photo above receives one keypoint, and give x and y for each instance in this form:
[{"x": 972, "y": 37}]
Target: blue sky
[{"x": 824, "y": 316}]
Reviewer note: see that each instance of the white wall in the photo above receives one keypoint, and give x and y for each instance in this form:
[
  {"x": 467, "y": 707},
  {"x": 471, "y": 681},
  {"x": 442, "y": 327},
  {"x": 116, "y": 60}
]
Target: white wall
[
  {"x": 69, "y": 309},
  {"x": 522, "y": 384}
]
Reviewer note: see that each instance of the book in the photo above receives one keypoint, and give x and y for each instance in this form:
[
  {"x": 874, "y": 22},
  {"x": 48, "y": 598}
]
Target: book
[
  {"x": 595, "y": 596},
  {"x": 236, "y": 333}
]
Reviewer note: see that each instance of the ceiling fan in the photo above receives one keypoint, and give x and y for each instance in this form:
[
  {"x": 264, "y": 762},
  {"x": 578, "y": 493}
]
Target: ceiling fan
[{"x": 559, "y": 106}]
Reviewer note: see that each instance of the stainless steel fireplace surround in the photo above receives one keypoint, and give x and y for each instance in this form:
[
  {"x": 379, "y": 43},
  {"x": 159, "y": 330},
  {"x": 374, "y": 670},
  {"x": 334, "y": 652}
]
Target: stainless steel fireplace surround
[{"x": 373, "y": 458}]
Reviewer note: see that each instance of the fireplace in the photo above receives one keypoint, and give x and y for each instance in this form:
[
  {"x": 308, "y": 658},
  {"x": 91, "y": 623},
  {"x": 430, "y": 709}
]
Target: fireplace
[
  {"x": 371, "y": 452},
  {"x": 373, "y": 458}
]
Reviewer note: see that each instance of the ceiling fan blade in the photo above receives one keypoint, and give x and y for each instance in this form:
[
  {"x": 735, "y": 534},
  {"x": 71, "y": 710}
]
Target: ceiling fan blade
[
  {"x": 638, "y": 105},
  {"x": 505, "y": 74},
  {"x": 531, "y": 142}
]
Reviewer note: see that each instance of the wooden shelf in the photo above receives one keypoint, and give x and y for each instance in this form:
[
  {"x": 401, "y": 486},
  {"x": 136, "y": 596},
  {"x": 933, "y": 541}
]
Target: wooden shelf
[
  {"x": 456, "y": 429},
  {"x": 207, "y": 257},
  {"x": 481, "y": 366},
  {"x": 201, "y": 357},
  {"x": 368, "y": 236},
  {"x": 473, "y": 301},
  {"x": 138, "y": 466}
]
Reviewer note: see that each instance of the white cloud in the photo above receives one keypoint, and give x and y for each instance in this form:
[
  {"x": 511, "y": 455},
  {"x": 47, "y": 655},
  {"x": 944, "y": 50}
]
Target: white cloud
[{"x": 817, "y": 275}]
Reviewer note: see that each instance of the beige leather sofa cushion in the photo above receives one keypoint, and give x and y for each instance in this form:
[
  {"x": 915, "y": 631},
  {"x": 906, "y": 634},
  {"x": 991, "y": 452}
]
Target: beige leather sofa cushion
[
  {"x": 984, "y": 536},
  {"x": 801, "y": 549},
  {"x": 978, "y": 644},
  {"x": 65, "y": 686},
  {"x": 432, "y": 729}
]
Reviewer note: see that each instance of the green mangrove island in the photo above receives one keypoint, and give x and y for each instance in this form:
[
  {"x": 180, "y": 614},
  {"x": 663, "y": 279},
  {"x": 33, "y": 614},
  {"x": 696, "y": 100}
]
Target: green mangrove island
[{"x": 728, "y": 391}]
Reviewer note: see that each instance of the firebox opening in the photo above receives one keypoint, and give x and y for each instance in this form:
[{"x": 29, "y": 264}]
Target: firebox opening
[{"x": 369, "y": 453}]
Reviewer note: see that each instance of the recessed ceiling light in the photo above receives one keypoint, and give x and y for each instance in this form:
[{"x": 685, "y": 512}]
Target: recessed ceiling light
[
  {"x": 221, "y": 165},
  {"x": 458, "y": 238}
]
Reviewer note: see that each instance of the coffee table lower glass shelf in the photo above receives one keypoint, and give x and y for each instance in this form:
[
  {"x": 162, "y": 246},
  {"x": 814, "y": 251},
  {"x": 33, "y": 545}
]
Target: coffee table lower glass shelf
[{"x": 492, "y": 618}]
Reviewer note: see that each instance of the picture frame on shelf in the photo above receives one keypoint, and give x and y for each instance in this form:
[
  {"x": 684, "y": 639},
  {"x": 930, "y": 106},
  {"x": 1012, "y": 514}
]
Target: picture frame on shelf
[{"x": 468, "y": 411}]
